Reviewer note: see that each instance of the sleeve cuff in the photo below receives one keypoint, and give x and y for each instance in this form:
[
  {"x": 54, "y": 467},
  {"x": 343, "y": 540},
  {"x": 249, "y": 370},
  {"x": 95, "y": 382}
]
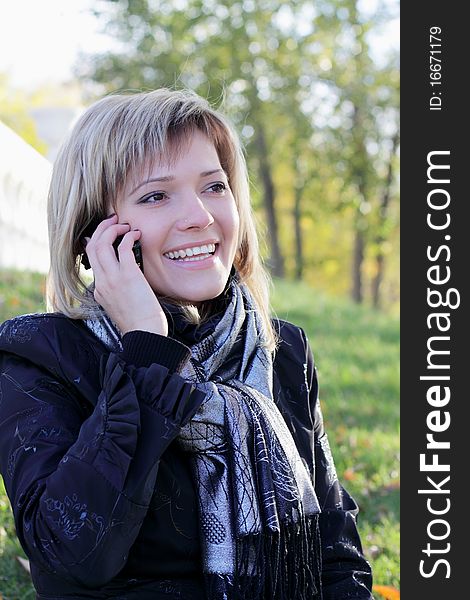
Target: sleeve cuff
[{"x": 142, "y": 348}]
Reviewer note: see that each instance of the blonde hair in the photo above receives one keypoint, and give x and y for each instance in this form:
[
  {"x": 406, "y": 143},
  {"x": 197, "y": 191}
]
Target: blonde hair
[{"x": 113, "y": 137}]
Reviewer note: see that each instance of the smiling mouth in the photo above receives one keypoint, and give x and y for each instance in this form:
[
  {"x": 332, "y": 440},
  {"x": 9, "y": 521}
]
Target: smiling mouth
[{"x": 194, "y": 254}]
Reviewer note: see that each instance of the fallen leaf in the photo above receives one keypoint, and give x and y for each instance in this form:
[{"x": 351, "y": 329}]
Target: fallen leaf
[
  {"x": 349, "y": 475},
  {"x": 24, "y": 563},
  {"x": 386, "y": 591}
]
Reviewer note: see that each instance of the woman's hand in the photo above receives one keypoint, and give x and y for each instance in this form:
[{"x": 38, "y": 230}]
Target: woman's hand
[{"x": 120, "y": 286}]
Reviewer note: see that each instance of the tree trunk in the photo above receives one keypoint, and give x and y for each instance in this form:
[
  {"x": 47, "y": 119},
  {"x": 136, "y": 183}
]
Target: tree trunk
[
  {"x": 359, "y": 165},
  {"x": 299, "y": 255},
  {"x": 276, "y": 261},
  {"x": 377, "y": 280},
  {"x": 358, "y": 258},
  {"x": 380, "y": 258}
]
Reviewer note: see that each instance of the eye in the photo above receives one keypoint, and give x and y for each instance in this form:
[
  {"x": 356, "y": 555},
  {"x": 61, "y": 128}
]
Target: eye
[
  {"x": 153, "y": 198},
  {"x": 217, "y": 188}
]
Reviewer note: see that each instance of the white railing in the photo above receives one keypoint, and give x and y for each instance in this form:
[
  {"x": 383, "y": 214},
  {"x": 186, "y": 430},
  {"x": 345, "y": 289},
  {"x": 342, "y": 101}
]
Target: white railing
[{"x": 24, "y": 181}]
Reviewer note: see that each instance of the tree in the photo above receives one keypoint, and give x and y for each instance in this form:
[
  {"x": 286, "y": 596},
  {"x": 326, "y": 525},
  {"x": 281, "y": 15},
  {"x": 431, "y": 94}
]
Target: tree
[
  {"x": 299, "y": 83},
  {"x": 383, "y": 213},
  {"x": 358, "y": 91}
]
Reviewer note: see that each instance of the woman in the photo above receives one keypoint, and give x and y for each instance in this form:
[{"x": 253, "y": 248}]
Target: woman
[{"x": 160, "y": 435}]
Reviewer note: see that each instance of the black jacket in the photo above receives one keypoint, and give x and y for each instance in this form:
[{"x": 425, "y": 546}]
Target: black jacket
[{"x": 103, "y": 498}]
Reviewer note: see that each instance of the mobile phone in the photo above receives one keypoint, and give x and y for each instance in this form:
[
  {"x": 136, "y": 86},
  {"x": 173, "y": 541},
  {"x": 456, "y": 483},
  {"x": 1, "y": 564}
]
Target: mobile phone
[{"x": 136, "y": 248}]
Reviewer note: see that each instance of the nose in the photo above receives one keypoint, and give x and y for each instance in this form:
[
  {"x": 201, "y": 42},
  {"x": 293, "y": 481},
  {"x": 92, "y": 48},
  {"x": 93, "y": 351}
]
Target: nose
[{"x": 194, "y": 214}]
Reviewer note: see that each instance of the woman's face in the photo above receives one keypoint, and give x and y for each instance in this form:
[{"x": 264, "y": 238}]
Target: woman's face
[{"x": 189, "y": 222}]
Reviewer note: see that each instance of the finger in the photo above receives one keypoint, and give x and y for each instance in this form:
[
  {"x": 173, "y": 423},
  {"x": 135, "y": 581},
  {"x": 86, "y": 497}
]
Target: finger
[
  {"x": 102, "y": 242},
  {"x": 102, "y": 255},
  {"x": 105, "y": 223},
  {"x": 90, "y": 242},
  {"x": 125, "y": 252},
  {"x": 109, "y": 233}
]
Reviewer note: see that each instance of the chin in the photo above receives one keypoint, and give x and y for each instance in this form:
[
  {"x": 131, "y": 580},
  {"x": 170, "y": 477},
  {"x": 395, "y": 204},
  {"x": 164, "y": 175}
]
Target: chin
[
  {"x": 196, "y": 295},
  {"x": 192, "y": 288}
]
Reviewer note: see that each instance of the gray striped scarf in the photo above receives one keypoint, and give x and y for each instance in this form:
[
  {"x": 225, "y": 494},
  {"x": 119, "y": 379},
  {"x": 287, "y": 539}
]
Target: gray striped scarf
[{"x": 258, "y": 511}]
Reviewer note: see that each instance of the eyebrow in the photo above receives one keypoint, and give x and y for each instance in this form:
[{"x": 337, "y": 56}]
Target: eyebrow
[{"x": 168, "y": 178}]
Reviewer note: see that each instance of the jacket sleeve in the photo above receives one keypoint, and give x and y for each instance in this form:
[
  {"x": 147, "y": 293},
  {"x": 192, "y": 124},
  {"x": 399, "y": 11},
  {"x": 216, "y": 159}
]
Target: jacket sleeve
[
  {"x": 80, "y": 487},
  {"x": 345, "y": 571}
]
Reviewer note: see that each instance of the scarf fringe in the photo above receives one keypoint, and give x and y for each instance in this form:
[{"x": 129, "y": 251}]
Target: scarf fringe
[{"x": 274, "y": 566}]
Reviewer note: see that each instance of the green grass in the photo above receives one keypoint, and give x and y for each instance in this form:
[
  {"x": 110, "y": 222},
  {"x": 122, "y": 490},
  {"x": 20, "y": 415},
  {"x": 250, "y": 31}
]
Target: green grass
[
  {"x": 356, "y": 351},
  {"x": 20, "y": 293},
  {"x": 357, "y": 355},
  {"x": 15, "y": 583}
]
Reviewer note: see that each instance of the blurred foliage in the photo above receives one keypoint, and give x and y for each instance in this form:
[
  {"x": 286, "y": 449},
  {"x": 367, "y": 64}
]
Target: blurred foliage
[
  {"x": 14, "y": 112},
  {"x": 317, "y": 114},
  {"x": 21, "y": 292}
]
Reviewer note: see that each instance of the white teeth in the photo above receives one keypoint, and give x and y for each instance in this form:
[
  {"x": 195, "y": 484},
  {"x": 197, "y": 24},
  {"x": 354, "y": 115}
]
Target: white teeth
[
  {"x": 194, "y": 258},
  {"x": 192, "y": 253}
]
